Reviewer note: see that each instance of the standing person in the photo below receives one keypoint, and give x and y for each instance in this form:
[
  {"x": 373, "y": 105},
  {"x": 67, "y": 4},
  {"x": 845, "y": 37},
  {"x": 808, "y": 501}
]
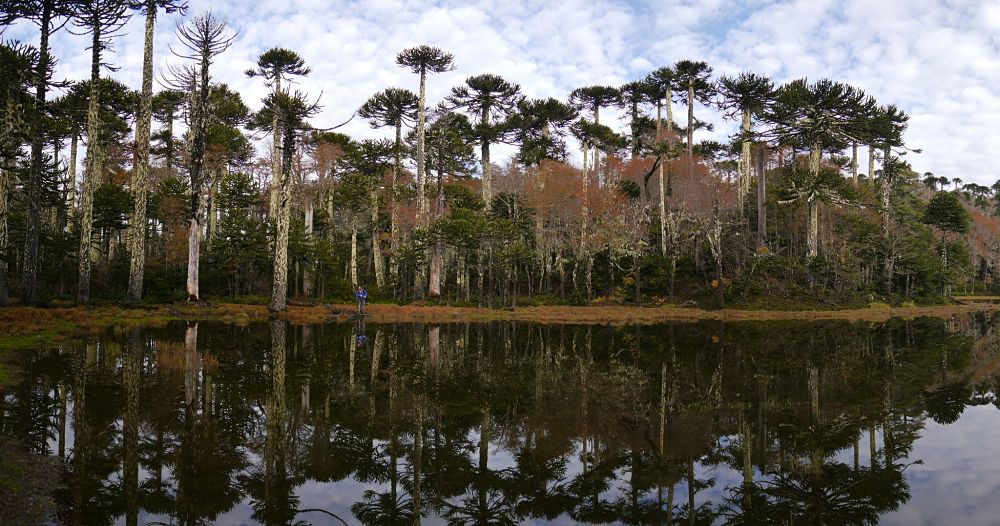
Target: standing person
[
  {"x": 357, "y": 299},
  {"x": 364, "y": 300}
]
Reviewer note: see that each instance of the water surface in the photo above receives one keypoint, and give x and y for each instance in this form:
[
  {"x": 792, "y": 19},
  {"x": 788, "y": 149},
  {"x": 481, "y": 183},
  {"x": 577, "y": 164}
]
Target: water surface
[{"x": 509, "y": 423}]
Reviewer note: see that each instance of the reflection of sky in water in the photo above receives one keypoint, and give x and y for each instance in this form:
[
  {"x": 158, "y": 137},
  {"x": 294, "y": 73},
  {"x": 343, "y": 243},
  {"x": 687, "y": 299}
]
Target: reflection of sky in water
[{"x": 957, "y": 483}]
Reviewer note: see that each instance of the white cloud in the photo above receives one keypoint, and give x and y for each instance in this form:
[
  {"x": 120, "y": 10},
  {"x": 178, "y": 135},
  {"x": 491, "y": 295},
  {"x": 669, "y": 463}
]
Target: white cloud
[{"x": 934, "y": 59}]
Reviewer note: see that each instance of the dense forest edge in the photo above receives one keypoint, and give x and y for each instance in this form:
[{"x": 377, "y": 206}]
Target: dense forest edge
[{"x": 225, "y": 204}]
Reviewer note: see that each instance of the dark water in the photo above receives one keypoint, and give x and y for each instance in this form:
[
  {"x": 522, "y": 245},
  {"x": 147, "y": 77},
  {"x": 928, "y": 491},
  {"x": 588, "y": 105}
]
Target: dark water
[{"x": 501, "y": 423}]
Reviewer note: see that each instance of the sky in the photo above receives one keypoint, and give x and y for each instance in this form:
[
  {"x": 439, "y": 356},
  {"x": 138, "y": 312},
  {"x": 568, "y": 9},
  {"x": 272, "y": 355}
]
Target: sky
[{"x": 937, "y": 60}]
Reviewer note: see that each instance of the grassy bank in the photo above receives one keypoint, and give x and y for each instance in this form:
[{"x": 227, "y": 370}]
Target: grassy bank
[{"x": 20, "y": 326}]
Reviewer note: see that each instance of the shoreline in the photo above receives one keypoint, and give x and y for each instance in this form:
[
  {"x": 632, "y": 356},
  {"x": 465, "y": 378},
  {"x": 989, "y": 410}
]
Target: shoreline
[
  {"x": 383, "y": 312},
  {"x": 26, "y": 327}
]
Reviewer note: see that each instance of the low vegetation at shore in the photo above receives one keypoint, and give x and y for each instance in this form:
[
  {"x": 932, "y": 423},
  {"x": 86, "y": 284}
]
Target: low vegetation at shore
[{"x": 23, "y": 326}]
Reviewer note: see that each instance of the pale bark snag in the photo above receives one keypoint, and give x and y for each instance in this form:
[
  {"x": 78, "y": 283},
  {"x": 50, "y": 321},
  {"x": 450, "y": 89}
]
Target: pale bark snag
[
  {"x": 194, "y": 249},
  {"x": 308, "y": 285}
]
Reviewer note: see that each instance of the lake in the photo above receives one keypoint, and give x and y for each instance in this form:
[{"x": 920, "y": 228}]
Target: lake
[{"x": 512, "y": 423}]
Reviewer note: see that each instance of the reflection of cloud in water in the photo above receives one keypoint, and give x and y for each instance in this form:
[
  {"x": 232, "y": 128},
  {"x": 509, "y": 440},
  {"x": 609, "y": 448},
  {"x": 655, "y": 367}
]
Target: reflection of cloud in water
[{"x": 959, "y": 482}]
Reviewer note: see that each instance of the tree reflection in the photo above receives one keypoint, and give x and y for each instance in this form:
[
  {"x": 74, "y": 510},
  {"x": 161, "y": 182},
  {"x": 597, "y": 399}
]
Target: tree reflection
[{"x": 494, "y": 423}]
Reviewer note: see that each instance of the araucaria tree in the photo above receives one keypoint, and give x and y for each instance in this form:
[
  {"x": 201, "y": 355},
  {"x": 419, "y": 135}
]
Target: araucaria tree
[
  {"x": 489, "y": 100},
  {"x": 746, "y": 95},
  {"x": 393, "y": 107},
  {"x": 204, "y": 38},
  {"x": 274, "y": 66},
  {"x": 101, "y": 19},
  {"x": 691, "y": 82},
  {"x": 140, "y": 172},
  {"x": 292, "y": 110},
  {"x": 591, "y": 99},
  {"x": 18, "y": 65},
  {"x": 422, "y": 60},
  {"x": 820, "y": 116},
  {"x": 172, "y": 178},
  {"x": 49, "y": 16}
]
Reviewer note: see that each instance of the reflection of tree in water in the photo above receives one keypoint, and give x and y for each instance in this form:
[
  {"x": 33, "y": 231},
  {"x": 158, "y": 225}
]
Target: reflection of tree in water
[{"x": 496, "y": 423}]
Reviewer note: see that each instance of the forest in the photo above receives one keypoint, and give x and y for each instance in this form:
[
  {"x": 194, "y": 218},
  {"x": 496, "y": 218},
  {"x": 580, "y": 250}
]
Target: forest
[{"x": 187, "y": 193}]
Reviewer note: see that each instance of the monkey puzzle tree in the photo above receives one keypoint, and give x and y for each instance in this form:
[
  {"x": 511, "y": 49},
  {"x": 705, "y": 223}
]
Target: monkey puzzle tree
[
  {"x": 204, "y": 37},
  {"x": 945, "y": 213},
  {"x": 885, "y": 128},
  {"x": 102, "y": 19},
  {"x": 392, "y": 107},
  {"x": 18, "y": 66},
  {"x": 822, "y": 115},
  {"x": 489, "y": 100},
  {"x": 292, "y": 110},
  {"x": 592, "y": 99},
  {"x": 49, "y": 16},
  {"x": 372, "y": 158},
  {"x": 540, "y": 126},
  {"x": 691, "y": 82},
  {"x": 274, "y": 66},
  {"x": 661, "y": 81},
  {"x": 166, "y": 105},
  {"x": 71, "y": 111},
  {"x": 747, "y": 95},
  {"x": 140, "y": 173},
  {"x": 421, "y": 60},
  {"x": 450, "y": 153},
  {"x": 635, "y": 95}
]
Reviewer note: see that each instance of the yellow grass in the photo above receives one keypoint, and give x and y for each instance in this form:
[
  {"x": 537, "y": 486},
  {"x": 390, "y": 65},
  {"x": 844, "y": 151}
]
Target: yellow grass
[{"x": 18, "y": 323}]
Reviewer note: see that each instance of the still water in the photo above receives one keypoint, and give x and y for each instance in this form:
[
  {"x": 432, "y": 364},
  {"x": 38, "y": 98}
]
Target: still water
[{"x": 514, "y": 423}]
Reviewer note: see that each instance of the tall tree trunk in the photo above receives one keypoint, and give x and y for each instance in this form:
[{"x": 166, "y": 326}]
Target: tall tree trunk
[
  {"x": 71, "y": 180},
  {"x": 813, "y": 229},
  {"x": 663, "y": 187},
  {"x": 137, "y": 224},
  {"x": 690, "y": 131},
  {"x": 279, "y": 290},
  {"x": 487, "y": 175},
  {"x": 888, "y": 180},
  {"x": 634, "y": 114},
  {"x": 437, "y": 252},
  {"x": 487, "y": 167},
  {"x": 29, "y": 272},
  {"x": 4, "y": 191},
  {"x": 854, "y": 161},
  {"x": 812, "y": 239},
  {"x": 199, "y": 121},
  {"x": 871, "y": 164},
  {"x": 194, "y": 256},
  {"x": 94, "y": 167},
  {"x": 397, "y": 168},
  {"x": 307, "y": 269},
  {"x": 421, "y": 162},
  {"x": 275, "y": 155},
  {"x": 377, "y": 258},
  {"x": 745, "y": 164},
  {"x": 761, "y": 196},
  {"x": 354, "y": 256}
]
